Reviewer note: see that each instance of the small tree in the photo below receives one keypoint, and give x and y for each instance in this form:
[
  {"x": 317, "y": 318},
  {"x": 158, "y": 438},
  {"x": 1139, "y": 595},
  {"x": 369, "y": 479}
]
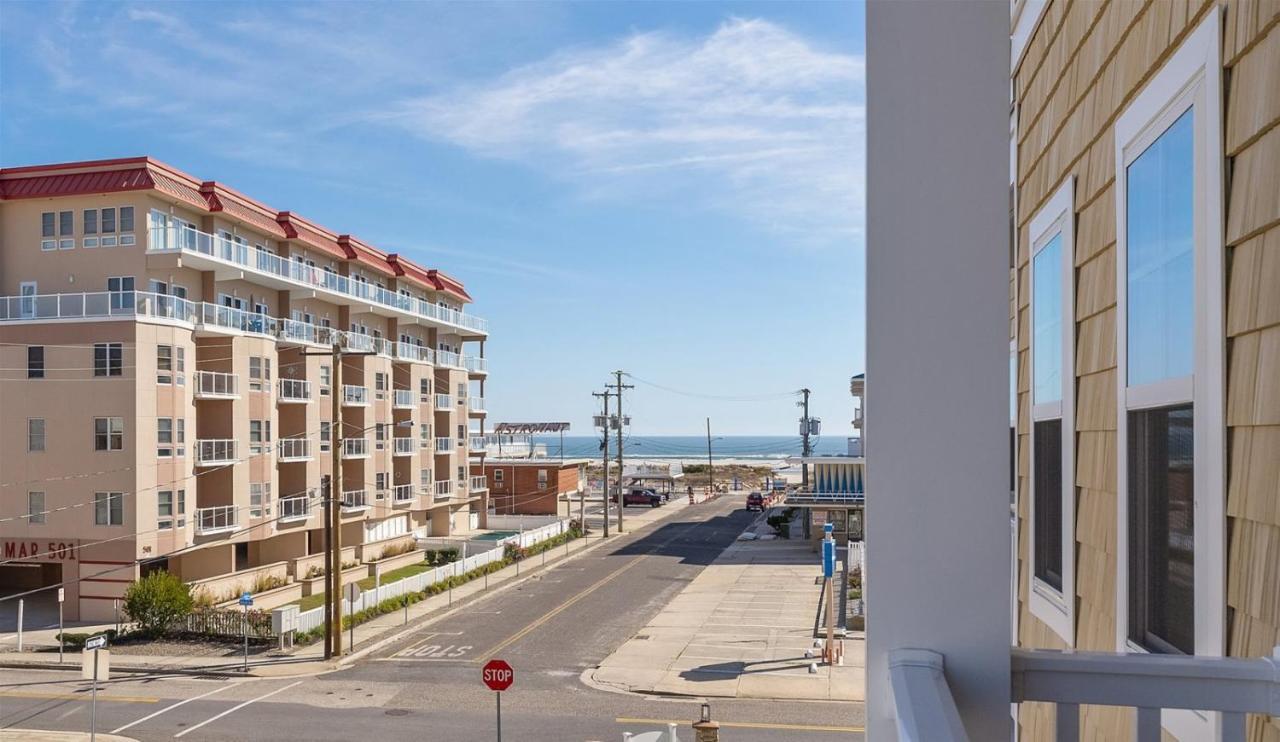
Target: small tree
[{"x": 156, "y": 601}]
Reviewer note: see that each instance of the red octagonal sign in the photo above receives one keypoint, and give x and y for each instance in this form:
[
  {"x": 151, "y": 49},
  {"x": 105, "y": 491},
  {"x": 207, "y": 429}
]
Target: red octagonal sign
[{"x": 498, "y": 675}]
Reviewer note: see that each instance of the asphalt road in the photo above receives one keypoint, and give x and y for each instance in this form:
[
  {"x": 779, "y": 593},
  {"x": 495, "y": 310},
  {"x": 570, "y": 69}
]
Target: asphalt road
[{"x": 550, "y": 628}]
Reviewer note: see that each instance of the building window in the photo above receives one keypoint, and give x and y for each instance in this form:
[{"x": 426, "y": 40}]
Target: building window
[
  {"x": 1052, "y": 501},
  {"x": 49, "y": 236},
  {"x": 259, "y": 373},
  {"x": 259, "y": 499},
  {"x": 164, "y": 509},
  {"x": 380, "y": 483},
  {"x": 424, "y": 478},
  {"x": 326, "y": 432},
  {"x": 380, "y": 436},
  {"x": 542, "y": 479},
  {"x": 497, "y": 477},
  {"x": 108, "y": 508},
  {"x": 259, "y": 436},
  {"x": 35, "y": 508},
  {"x": 1171, "y": 595},
  {"x": 108, "y": 433},
  {"x": 121, "y": 289},
  {"x": 90, "y": 217},
  {"x": 164, "y": 364},
  {"x": 380, "y": 385},
  {"x": 462, "y": 473},
  {"x": 35, "y": 361},
  {"x": 108, "y": 359},
  {"x": 164, "y": 436},
  {"x": 325, "y": 380},
  {"x": 424, "y": 435},
  {"x": 35, "y": 434}
]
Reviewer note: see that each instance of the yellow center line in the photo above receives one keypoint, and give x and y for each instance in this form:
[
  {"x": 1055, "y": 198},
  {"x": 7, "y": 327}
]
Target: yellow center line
[
  {"x": 555, "y": 612},
  {"x": 747, "y": 725},
  {"x": 78, "y": 697}
]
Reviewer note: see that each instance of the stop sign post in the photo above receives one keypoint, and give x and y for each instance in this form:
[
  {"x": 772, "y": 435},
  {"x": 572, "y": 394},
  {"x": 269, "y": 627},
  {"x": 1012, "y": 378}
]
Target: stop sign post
[{"x": 498, "y": 676}]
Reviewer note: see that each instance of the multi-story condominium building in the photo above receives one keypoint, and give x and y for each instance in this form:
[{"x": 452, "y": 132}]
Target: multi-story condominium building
[
  {"x": 1143, "y": 331},
  {"x": 169, "y": 397}
]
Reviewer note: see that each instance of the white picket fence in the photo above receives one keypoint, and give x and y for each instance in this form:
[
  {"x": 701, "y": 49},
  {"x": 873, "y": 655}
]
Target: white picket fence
[{"x": 314, "y": 618}]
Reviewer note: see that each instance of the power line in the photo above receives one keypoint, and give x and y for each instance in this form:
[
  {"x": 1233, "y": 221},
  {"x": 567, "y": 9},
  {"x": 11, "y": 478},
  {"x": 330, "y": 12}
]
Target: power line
[{"x": 720, "y": 397}]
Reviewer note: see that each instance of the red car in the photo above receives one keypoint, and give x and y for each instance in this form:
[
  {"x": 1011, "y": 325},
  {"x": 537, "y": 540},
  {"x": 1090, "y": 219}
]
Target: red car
[{"x": 755, "y": 501}]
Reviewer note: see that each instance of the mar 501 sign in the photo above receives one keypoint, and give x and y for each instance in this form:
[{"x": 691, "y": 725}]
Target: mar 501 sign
[{"x": 57, "y": 551}]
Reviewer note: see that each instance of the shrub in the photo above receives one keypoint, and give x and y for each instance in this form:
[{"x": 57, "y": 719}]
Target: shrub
[
  {"x": 394, "y": 550},
  {"x": 76, "y": 640},
  {"x": 440, "y": 557},
  {"x": 313, "y": 572},
  {"x": 202, "y": 598},
  {"x": 157, "y": 601},
  {"x": 265, "y": 582}
]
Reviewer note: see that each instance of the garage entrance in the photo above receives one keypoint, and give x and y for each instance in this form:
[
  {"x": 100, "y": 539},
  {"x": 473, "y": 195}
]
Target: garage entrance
[{"x": 40, "y": 610}]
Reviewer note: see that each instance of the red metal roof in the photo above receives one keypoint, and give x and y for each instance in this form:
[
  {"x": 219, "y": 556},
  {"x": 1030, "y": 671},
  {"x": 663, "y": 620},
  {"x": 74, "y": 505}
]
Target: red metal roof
[
  {"x": 107, "y": 176},
  {"x": 447, "y": 283},
  {"x": 310, "y": 234},
  {"x": 366, "y": 254},
  {"x": 236, "y": 204}
]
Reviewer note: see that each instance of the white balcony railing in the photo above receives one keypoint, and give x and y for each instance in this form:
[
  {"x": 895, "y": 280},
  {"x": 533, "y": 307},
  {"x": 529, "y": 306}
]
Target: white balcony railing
[
  {"x": 355, "y": 500},
  {"x": 444, "y": 402},
  {"x": 294, "y": 449},
  {"x": 218, "y": 317},
  {"x": 1233, "y": 687},
  {"x": 404, "y": 447},
  {"x": 412, "y": 352},
  {"x": 295, "y": 391},
  {"x": 502, "y": 445},
  {"x": 192, "y": 241},
  {"x": 96, "y": 305},
  {"x": 355, "y": 396},
  {"x": 475, "y": 364},
  {"x": 476, "y": 405},
  {"x": 444, "y": 445},
  {"x": 214, "y": 451},
  {"x": 402, "y": 494},
  {"x": 444, "y": 489},
  {"x": 216, "y": 385},
  {"x": 405, "y": 399},
  {"x": 294, "y": 508},
  {"x": 448, "y": 358},
  {"x": 355, "y": 448},
  {"x": 479, "y": 484},
  {"x": 359, "y": 341},
  {"x": 210, "y": 521}
]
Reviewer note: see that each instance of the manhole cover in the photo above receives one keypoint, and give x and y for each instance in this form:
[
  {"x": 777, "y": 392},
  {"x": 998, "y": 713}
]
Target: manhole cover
[{"x": 396, "y": 712}]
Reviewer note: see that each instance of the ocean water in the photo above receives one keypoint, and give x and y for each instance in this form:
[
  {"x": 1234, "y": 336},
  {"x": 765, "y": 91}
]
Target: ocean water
[{"x": 692, "y": 446}]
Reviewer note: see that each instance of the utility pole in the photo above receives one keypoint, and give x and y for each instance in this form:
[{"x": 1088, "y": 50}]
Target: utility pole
[
  {"x": 804, "y": 434},
  {"x": 618, "y": 386},
  {"x": 604, "y": 427},
  {"x": 711, "y": 472},
  {"x": 326, "y": 493}
]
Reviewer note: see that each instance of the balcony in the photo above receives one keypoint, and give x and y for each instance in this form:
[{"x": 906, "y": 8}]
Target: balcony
[
  {"x": 355, "y": 448},
  {"x": 444, "y": 445},
  {"x": 217, "y": 319},
  {"x": 402, "y": 494},
  {"x": 502, "y": 445},
  {"x": 228, "y": 259},
  {"x": 355, "y": 396},
  {"x": 479, "y": 484},
  {"x": 294, "y": 449},
  {"x": 215, "y": 451},
  {"x": 925, "y": 709},
  {"x": 359, "y": 341},
  {"x": 216, "y": 385},
  {"x": 123, "y": 304},
  {"x": 301, "y": 332},
  {"x": 444, "y": 402},
  {"x": 404, "y": 399},
  {"x": 448, "y": 358},
  {"x": 212, "y": 521},
  {"x": 479, "y": 444},
  {"x": 444, "y": 489},
  {"x": 294, "y": 391},
  {"x": 475, "y": 406},
  {"x": 294, "y": 509},
  {"x": 354, "y": 501},
  {"x": 412, "y": 352},
  {"x": 404, "y": 447},
  {"x": 475, "y": 365}
]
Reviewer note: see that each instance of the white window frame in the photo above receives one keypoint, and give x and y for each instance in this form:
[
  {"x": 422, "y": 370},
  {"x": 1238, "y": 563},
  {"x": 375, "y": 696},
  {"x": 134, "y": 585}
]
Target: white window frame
[
  {"x": 1055, "y": 608},
  {"x": 1191, "y": 78}
]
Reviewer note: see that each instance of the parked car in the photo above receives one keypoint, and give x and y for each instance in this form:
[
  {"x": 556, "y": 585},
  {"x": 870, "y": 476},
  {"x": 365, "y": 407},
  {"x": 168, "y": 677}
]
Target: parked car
[
  {"x": 642, "y": 497},
  {"x": 755, "y": 501}
]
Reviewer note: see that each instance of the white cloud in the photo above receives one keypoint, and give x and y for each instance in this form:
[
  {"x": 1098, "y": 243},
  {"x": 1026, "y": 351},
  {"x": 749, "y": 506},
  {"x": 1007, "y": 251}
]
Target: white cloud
[{"x": 750, "y": 119}]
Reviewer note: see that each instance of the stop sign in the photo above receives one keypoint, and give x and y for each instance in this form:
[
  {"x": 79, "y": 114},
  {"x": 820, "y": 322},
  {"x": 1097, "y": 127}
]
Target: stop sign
[{"x": 498, "y": 675}]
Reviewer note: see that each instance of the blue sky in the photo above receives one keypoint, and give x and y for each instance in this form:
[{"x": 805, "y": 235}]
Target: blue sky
[{"x": 674, "y": 189}]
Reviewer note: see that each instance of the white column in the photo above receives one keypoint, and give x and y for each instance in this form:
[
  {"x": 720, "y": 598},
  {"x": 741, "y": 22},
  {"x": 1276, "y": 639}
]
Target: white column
[{"x": 938, "y": 352}]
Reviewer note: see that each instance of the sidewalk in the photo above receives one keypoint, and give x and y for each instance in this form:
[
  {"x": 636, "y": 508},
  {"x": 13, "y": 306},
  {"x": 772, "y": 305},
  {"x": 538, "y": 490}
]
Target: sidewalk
[
  {"x": 369, "y": 636},
  {"x": 41, "y": 735},
  {"x": 740, "y": 630}
]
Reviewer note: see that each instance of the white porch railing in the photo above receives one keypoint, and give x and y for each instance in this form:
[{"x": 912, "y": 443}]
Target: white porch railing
[
  {"x": 210, "y": 521},
  {"x": 216, "y": 385},
  {"x": 479, "y": 484},
  {"x": 1230, "y": 686},
  {"x": 412, "y": 352},
  {"x": 97, "y": 305},
  {"x": 294, "y": 449},
  {"x": 355, "y": 396},
  {"x": 355, "y": 448},
  {"x": 402, "y": 494},
  {"x": 294, "y": 508},
  {"x": 476, "y": 364},
  {"x": 404, "y": 447},
  {"x": 354, "y": 500},
  {"x": 444, "y": 445},
  {"x": 213, "y": 451},
  {"x": 443, "y": 402},
  {"x": 195, "y": 242},
  {"x": 476, "y": 405},
  {"x": 404, "y": 399},
  {"x": 448, "y": 358},
  {"x": 295, "y": 390},
  {"x": 444, "y": 488}
]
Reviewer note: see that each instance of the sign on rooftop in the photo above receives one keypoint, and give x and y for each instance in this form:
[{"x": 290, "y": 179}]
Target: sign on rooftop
[{"x": 529, "y": 428}]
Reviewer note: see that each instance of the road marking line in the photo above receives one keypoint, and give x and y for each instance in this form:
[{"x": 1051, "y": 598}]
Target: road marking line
[
  {"x": 747, "y": 725},
  {"x": 77, "y": 697},
  {"x": 557, "y": 611},
  {"x": 219, "y": 689},
  {"x": 233, "y": 709}
]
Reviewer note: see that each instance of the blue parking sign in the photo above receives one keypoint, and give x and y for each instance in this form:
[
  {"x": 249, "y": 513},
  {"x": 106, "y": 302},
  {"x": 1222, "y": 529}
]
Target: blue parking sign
[
  {"x": 828, "y": 559},
  {"x": 246, "y": 599}
]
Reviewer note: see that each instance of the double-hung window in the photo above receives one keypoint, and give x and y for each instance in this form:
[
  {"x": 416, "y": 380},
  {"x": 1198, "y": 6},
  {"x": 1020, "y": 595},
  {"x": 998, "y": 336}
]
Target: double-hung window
[
  {"x": 164, "y": 509},
  {"x": 424, "y": 390},
  {"x": 108, "y": 434},
  {"x": 1052, "y": 242},
  {"x": 48, "y": 231},
  {"x": 121, "y": 290},
  {"x": 380, "y": 385},
  {"x": 1170, "y": 546},
  {"x": 66, "y": 230},
  {"x": 164, "y": 364},
  {"x": 326, "y": 435},
  {"x": 35, "y": 434},
  {"x": 35, "y": 508},
  {"x": 108, "y": 508},
  {"x": 108, "y": 359},
  {"x": 325, "y": 380},
  {"x": 164, "y": 436},
  {"x": 35, "y": 361}
]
